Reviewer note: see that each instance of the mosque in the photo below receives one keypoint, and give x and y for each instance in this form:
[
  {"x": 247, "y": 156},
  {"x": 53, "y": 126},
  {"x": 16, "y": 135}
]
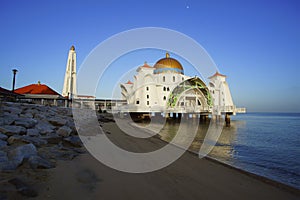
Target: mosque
[{"x": 163, "y": 88}]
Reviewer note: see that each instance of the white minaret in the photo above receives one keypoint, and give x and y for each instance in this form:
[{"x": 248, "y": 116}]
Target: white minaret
[{"x": 69, "y": 89}]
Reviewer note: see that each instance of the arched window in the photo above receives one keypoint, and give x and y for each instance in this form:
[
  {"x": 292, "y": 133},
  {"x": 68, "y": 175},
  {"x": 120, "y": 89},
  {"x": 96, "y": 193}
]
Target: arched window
[
  {"x": 164, "y": 79},
  {"x": 137, "y": 102},
  {"x": 173, "y": 78},
  {"x": 182, "y": 78},
  {"x": 165, "y": 98},
  {"x": 147, "y": 102},
  {"x": 199, "y": 104},
  {"x": 147, "y": 96},
  {"x": 168, "y": 89},
  {"x": 164, "y": 89},
  {"x": 147, "y": 88}
]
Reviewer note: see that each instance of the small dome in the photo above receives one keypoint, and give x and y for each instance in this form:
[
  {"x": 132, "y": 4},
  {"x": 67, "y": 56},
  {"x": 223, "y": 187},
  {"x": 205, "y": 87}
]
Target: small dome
[
  {"x": 167, "y": 65},
  {"x": 72, "y": 48}
]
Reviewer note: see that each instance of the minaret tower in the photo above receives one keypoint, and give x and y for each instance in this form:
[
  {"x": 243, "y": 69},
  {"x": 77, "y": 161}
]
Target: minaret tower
[{"x": 69, "y": 89}]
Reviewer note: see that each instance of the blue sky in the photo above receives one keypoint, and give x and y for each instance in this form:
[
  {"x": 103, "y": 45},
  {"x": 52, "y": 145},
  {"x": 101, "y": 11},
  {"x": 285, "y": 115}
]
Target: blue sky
[{"x": 255, "y": 43}]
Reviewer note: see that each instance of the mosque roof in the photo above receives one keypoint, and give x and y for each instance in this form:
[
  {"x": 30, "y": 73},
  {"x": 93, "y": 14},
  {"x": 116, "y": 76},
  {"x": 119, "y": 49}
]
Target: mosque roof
[
  {"x": 129, "y": 82},
  {"x": 217, "y": 74},
  {"x": 146, "y": 65},
  {"x": 168, "y": 64}
]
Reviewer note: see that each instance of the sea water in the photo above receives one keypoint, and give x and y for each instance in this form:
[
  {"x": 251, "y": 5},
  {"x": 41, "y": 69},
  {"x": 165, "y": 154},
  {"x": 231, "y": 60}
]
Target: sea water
[{"x": 266, "y": 144}]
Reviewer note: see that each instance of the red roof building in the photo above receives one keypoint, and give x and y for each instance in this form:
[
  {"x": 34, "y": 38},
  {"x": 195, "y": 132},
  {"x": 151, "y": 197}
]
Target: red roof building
[
  {"x": 39, "y": 89},
  {"x": 40, "y": 94}
]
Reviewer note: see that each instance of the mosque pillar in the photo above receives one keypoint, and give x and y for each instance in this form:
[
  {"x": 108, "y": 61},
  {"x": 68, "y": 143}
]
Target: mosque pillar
[{"x": 227, "y": 119}]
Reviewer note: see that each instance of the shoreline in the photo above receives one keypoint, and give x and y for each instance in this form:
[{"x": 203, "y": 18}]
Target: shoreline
[
  {"x": 73, "y": 172},
  {"x": 272, "y": 182}
]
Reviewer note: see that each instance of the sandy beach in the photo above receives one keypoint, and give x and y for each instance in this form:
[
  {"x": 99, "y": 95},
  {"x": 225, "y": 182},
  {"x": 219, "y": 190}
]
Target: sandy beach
[
  {"x": 42, "y": 157},
  {"x": 188, "y": 178}
]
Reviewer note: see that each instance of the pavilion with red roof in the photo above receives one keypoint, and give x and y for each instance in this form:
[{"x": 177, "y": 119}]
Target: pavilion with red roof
[{"x": 39, "y": 92}]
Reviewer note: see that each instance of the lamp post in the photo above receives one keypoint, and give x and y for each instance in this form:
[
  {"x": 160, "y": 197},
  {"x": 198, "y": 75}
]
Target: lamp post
[{"x": 14, "y": 78}]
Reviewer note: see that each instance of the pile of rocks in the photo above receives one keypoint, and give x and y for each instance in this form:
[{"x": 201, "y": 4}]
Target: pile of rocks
[{"x": 37, "y": 135}]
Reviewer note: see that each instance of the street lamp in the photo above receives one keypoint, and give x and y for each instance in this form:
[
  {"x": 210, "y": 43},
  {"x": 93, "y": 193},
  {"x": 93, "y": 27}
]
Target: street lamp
[{"x": 14, "y": 78}]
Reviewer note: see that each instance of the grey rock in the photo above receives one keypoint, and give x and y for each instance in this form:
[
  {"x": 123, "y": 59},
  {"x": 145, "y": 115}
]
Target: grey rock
[
  {"x": 5, "y": 164},
  {"x": 39, "y": 116},
  {"x": 3, "y": 137},
  {"x": 44, "y": 127},
  {"x": 73, "y": 141},
  {"x": 33, "y": 132},
  {"x": 64, "y": 131},
  {"x": 52, "y": 138},
  {"x": 3, "y": 143},
  {"x": 12, "y": 130},
  {"x": 57, "y": 121},
  {"x": 25, "y": 122},
  {"x": 34, "y": 140},
  {"x": 26, "y": 139},
  {"x": 36, "y": 162},
  {"x": 15, "y": 139},
  {"x": 20, "y": 153},
  {"x": 26, "y": 115},
  {"x": 7, "y": 119},
  {"x": 71, "y": 125},
  {"x": 12, "y": 109}
]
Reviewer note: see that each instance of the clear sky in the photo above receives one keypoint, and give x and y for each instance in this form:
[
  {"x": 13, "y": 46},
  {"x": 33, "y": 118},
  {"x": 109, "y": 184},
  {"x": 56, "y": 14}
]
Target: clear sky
[{"x": 255, "y": 43}]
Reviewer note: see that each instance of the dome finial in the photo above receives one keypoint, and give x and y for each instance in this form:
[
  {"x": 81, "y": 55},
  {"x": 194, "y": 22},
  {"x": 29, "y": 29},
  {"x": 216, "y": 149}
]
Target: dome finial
[{"x": 167, "y": 55}]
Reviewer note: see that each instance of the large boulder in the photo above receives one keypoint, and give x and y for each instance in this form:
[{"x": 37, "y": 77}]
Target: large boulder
[
  {"x": 26, "y": 115},
  {"x": 64, "y": 131},
  {"x": 3, "y": 137},
  {"x": 36, "y": 162},
  {"x": 15, "y": 109},
  {"x": 33, "y": 132},
  {"x": 12, "y": 130},
  {"x": 44, "y": 127},
  {"x": 7, "y": 118},
  {"x": 25, "y": 122},
  {"x": 57, "y": 121},
  {"x": 73, "y": 141},
  {"x": 26, "y": 139},
  {"x": 20, "y": 153},
  {"x": 52, "y": 138},
  {"x": 5, "y": 164}
]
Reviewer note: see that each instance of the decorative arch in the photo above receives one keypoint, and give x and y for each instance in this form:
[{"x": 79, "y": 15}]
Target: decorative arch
[{"x": 195, "y": 84}]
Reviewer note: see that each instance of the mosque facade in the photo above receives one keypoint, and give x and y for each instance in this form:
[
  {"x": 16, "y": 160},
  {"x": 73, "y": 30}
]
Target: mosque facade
[{"x": 164, "y": 88}]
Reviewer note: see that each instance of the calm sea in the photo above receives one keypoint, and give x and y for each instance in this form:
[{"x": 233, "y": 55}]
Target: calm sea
[{"x": 267, "y": 144}]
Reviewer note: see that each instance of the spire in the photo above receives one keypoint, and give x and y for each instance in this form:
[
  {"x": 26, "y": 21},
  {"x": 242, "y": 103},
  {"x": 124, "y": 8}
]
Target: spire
[
  {"x": 167, "y": 55},
  {"x": 69, "y": 88}
]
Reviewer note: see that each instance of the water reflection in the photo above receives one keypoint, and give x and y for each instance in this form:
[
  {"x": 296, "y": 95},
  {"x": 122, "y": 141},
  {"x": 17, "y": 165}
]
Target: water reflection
[{"x": 223, "y": 150}]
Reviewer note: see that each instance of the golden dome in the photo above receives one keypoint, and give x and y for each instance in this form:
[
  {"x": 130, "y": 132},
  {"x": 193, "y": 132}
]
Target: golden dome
[{"x": 168, "y": 64}]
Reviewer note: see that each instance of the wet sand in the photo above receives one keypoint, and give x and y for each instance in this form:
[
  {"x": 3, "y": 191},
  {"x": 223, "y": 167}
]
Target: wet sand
[{"x": 187, "y": 178}]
